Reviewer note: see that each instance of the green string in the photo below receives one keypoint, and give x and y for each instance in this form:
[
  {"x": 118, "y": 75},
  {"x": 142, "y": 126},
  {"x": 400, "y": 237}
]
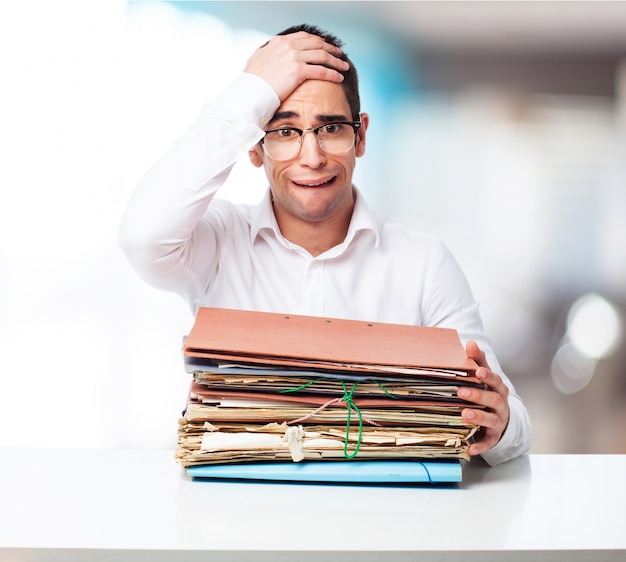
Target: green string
[
  {"x": 305, "y": 385},
  {"x": 347, "y": 398},
  {"x": 386, "y": 391}
]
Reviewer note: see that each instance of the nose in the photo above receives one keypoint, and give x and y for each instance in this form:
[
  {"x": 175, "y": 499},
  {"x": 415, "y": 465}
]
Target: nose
[{"x": 311, "y": 154}]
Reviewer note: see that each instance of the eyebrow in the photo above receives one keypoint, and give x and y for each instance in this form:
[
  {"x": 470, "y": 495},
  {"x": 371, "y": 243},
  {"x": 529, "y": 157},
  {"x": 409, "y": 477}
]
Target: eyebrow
[{"x": 332, "y": 118}]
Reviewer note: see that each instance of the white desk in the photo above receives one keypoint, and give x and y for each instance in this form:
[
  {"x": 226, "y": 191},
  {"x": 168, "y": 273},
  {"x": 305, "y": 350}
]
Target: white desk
[{"x": 73, "y": 505}]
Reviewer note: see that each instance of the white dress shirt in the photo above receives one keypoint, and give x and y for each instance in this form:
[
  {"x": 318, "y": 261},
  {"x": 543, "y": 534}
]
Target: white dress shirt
[{"x": 180, "y": 237}]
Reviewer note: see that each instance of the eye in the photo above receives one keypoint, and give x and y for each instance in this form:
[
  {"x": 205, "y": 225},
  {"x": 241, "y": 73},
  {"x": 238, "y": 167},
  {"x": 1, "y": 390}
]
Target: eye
[
  {"x": 332, "y": 129},
  {"x": 285, "y": 133}
]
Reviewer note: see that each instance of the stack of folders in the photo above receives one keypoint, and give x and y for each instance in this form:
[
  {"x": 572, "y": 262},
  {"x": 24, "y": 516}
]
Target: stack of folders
[{"x": 301, "y": 397}]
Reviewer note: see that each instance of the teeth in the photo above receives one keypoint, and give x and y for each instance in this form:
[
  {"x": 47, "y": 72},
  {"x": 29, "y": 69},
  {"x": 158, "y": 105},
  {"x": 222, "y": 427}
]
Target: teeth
[{"x": 315, "y": 184}]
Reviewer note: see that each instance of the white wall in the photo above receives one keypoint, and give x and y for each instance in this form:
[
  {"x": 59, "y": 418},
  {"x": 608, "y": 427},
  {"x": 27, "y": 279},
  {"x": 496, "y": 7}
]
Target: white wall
[{"x": 93, "y": 93}]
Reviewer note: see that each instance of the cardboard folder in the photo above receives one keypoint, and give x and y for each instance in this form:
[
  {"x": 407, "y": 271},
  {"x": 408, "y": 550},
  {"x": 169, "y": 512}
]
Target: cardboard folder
[
  {"x": 315, "y": 400},
  {"x": 267, "y": 338}
]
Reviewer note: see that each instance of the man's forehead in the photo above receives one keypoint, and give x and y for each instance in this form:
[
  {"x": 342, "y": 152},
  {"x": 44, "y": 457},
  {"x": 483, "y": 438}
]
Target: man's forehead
[{"x": 316, "y": 96}]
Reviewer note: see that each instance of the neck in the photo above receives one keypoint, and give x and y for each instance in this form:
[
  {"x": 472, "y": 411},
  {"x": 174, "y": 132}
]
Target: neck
[{"x": 316, "y": 237}]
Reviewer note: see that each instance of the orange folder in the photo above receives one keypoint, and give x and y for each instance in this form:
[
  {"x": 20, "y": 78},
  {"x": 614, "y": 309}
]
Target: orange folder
[{"x": 267, "y": 338}]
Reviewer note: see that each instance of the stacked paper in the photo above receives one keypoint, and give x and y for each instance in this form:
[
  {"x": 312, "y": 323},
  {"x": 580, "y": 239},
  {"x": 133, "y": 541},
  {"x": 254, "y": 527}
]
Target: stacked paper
[{"x": 269, "y": 387}]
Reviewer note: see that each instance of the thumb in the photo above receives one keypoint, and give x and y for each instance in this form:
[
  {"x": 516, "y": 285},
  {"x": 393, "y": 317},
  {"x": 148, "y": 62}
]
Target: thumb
[{"x": 474, "y": 352}]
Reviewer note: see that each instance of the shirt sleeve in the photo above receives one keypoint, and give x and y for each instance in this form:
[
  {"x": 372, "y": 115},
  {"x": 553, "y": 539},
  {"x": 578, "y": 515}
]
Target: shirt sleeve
[
  {"x": 162, "y": 231},
  {"x": 451, "y": 304}
]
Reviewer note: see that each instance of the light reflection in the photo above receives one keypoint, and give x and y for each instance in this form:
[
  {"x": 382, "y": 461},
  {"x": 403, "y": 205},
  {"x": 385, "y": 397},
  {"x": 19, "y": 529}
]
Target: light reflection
[
  {"x": 594, "y": 331},
  {"x": 594, "y": 326},
  {"x": 571, "y": 371}
]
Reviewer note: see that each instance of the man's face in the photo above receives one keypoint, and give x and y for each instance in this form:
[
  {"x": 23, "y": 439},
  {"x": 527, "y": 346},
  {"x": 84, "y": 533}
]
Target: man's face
[{"x": 313, "y": 186}]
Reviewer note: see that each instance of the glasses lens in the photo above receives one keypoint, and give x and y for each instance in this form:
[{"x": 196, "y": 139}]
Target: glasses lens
[
  {"x": 284, "y": 144},
  {"x": 336, "y": 138}
]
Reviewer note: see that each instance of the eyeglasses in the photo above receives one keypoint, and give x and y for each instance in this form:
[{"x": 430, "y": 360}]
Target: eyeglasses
[{"x": 333, "y": 138}]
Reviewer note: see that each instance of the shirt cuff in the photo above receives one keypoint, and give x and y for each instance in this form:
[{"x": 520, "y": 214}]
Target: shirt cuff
[{"x": 516, "y": 439}]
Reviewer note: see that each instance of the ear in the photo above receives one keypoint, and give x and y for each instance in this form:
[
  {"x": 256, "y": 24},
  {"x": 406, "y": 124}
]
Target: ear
[
  {"x": 361, "y": 134},
  {"x": 256, "y": 156}
]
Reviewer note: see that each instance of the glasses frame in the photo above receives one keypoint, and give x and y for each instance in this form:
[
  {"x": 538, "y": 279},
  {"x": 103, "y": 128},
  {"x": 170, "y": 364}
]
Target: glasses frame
[{"x": 356, "y": 125}]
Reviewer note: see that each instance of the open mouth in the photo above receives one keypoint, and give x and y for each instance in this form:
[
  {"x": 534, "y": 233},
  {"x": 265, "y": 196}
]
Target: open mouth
[{"x": 322, "y": 183}]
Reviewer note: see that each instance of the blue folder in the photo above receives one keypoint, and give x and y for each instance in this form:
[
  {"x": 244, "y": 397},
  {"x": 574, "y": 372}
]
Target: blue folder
[{"x": 336, "y": 471}]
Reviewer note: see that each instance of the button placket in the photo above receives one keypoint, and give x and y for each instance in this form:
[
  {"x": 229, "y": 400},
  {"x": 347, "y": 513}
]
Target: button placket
[{"x": 314, "y": 288}]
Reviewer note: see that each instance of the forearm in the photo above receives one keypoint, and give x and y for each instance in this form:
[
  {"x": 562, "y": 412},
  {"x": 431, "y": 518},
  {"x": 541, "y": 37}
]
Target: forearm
[{"x": 161, "y": 224}]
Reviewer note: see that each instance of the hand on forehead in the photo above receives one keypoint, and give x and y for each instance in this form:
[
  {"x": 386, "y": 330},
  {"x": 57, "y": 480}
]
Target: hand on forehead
[{"x": 286, "y": 61}]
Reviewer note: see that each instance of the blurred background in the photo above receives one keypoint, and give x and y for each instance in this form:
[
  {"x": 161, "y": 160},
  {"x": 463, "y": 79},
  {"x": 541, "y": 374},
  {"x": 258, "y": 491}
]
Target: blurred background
[{"x": 498, "y": 126}]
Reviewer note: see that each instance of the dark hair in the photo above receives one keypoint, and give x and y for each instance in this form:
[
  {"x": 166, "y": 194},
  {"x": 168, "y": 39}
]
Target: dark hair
[{"x": 350, "y": 78}]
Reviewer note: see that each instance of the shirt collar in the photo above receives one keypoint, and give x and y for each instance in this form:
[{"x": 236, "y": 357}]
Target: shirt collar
[
  {"x": 263, "y": 218},
  {"x": 363, "y": 218}
]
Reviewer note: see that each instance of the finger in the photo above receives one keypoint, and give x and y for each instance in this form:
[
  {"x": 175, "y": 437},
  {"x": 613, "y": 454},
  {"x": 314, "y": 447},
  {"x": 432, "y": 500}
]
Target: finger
[
  {"x": 303, "y": 41},
  {"x": 493, "y": 420},
  {"x": 484, "y": 444},
  {"x": 311, "y": 50},
  {"x": 474, "y": 352},
  {"x": 323, "y": 58},
  {"x": 308, "y": 49},
  {"x": 319, "y": 72},
  {"x": 483, "y": 418},
  {"x": 493, "y": 382},
  {"x": 493, "y": 396},
  {"x": 494, "y": 415},
  {"x": 491, "y": 431},
  {"x": 286, "y": 63}
]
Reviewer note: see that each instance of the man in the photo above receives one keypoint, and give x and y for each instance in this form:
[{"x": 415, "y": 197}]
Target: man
[{"x": 312, "y": 246}]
